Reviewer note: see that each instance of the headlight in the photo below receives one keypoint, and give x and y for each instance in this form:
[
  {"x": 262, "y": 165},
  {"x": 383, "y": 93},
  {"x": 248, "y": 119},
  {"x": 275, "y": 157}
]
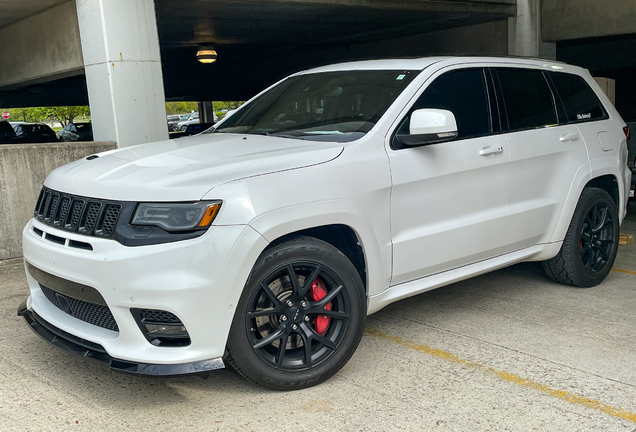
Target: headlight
[{"x": 174, "y": 217}]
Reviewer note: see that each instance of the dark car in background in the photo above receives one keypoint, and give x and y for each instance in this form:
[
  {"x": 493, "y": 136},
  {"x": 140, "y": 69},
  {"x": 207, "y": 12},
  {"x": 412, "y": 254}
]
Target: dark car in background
[
  {"x": 7, "y": 134},
  {"x": 34, "y": 133},
  {"x": 76, "y": 132}
]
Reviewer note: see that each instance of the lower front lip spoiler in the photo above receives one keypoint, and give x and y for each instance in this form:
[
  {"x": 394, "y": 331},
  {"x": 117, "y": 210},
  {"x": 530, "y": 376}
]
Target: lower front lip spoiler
[{"x": 93, "y": 351}]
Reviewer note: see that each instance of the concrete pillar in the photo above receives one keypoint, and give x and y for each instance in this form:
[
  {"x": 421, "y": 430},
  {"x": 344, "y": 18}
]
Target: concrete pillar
[
  {"x": 120, "y": 44},
  {"x": 206, "y": 112},
  {"x": 524, "y": 32}
]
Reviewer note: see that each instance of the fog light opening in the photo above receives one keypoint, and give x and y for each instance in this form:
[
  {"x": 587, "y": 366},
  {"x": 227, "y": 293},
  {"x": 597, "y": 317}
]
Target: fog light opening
[{"x": 161, "y": 328}]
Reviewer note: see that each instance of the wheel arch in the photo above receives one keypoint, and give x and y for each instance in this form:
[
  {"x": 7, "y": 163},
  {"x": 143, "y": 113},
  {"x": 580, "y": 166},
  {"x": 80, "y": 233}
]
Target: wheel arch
[
  {"x": 607, "y": 179},
  {"x": 342, "y": 237},
  {"x": 340, "y": 223},
  {"x": 608, "y": 183}
]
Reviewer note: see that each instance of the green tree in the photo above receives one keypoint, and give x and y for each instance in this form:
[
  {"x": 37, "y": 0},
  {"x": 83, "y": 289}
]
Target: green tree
[
  {"x": 66, "y": 114},
  {"x": 233, "y": 104},
  {"x": 181, "y": 107},
  {"x": 29, "y": 115}
]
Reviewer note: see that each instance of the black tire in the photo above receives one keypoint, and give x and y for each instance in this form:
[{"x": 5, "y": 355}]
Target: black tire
[
  {"x": 590, "y": 245},
  {"x": 268, "y": 347}
]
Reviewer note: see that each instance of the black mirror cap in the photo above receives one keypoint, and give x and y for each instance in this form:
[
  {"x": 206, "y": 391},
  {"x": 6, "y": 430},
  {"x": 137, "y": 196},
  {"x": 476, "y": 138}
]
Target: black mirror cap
[{"x": 408, "y": 140}]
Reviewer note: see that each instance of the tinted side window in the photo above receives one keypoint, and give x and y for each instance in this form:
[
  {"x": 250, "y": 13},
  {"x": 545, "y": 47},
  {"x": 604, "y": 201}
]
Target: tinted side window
[
  {"x": 527, "y": 98},
  {"x": 463, "y": 93},
  {"x": 578, "y": 98}
]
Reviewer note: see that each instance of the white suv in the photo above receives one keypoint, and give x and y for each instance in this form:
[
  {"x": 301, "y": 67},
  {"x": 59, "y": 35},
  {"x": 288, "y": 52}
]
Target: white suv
[{"x": 266, "y": 242}]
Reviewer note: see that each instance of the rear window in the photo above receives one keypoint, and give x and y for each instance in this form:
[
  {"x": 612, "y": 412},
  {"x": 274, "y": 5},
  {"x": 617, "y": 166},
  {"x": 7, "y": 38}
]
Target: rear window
[
  {"x": 5, "y": 127},
  {"x": 578, "y": 99},
  {"x": 527, "y": 99}
]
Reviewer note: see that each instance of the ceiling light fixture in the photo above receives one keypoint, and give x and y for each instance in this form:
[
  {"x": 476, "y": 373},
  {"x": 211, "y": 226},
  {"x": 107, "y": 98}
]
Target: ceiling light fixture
[{"x": 206, "y": 56}]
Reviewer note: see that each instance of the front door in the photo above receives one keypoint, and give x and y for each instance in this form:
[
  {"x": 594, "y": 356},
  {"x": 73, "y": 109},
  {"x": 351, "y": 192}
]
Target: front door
[{"x": 448, "y": 203}]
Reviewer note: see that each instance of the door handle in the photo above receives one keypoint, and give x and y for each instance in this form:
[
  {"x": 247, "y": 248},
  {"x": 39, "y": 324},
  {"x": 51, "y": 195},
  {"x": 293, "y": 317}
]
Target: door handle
[
  {"x": 490, "y": 150},
  {"x": 569, "y": 137}
]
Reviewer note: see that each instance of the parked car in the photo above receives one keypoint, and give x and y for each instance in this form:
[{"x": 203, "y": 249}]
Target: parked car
[
  {"x": 34, "y": 133},
  {"x": 173, "y": 120},
  {"x": 265, "y": 243},
  {"x": 7, "y": 134},
  {"x": 190, "y": 119},
  {"x": 632, "y": 191},
  {"x": 76, "y": 132},
  {"x": 193, "y": 119},
  {"x": 192, "y": 129}
]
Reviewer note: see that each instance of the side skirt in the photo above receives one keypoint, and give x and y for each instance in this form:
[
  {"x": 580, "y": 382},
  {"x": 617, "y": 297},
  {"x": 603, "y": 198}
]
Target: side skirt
[{"x": 419, "y": 286}]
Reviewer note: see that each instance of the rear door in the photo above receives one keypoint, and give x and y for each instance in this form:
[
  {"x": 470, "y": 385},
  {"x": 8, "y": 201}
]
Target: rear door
[
  {"x": 448, "y": 202},
  {"x": 544, "y": 156}
]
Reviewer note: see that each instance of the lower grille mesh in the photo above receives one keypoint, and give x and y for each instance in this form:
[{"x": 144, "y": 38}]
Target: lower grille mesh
[{"x": 91, "y": 313}]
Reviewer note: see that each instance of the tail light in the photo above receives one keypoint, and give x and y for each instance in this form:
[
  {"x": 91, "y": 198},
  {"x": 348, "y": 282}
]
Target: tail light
[{"x": 627, "y": 134}]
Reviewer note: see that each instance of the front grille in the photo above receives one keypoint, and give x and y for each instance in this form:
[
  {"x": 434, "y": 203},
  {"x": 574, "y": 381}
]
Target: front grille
[
  {"x": 88, "y": 216},
  {"x": 91, "y": 313}
]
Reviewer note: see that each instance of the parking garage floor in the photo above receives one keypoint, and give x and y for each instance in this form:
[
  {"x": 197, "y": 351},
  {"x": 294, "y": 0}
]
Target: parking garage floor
[{"x": 506, "y": 351}]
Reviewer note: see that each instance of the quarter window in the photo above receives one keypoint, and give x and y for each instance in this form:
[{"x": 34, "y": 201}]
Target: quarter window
[
  {"x": 579, "y": 101},
  {"x": 527, "y": 98},
  {"x": 462, "y": 92}
]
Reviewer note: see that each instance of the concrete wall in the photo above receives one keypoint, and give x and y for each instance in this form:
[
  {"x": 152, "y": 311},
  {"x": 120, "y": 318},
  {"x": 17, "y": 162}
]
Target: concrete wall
[
  {"x": 490, "y": 38},
  {"x": 42, "y": 47},
  {"x": 577, "y": 19},
  {"x": 23, "y": 169}
]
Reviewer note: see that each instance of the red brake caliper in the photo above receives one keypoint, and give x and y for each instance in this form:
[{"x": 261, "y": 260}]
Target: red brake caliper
[{"x": 318, "y": 291}]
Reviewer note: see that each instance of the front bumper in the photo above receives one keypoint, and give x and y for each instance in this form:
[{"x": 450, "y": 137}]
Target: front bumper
[
  {"x": 198, "y": 280},
  {"x": 92, "y": 351}
]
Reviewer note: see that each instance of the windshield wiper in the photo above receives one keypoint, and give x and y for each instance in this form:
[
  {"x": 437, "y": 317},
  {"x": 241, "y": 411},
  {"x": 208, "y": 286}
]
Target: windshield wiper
[{"x": 282, "y": 135}]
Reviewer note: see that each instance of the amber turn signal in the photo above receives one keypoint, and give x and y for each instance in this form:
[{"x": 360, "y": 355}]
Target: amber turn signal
[{"x": 209, "y": 215}]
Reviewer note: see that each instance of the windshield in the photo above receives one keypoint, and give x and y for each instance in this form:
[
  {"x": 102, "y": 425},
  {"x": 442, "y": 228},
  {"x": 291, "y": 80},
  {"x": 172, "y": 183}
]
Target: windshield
[{"x": 330, "y": 106}]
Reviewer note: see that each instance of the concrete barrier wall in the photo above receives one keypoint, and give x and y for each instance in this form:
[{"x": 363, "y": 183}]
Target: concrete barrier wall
[{"x": 23, "y": 169}]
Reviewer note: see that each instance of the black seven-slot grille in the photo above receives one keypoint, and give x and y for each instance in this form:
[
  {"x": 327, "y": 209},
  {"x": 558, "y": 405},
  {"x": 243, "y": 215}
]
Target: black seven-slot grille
[
  {"x": 89, "y": 216},
  {"x": 91, "y": 313}
]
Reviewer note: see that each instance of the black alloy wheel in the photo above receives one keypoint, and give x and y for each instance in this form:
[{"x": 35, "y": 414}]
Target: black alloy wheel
[
  {"x": 300, "y": 317},
  {"x": 591, "y": 242},
  {"x": 297, "y": 316},
  {"x": 597, "y": 238}
]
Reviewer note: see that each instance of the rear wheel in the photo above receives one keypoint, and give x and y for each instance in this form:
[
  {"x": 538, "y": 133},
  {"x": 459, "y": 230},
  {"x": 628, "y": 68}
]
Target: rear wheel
[
  {"x": 300, "y": 317},
  {"x": 590, "y": 245}
]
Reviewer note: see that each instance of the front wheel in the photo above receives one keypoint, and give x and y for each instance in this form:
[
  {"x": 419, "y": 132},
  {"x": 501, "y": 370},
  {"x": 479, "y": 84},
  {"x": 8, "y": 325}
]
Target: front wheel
[
  {"x": 590, "y": 245},
  {"x": 300, "y": 318}
]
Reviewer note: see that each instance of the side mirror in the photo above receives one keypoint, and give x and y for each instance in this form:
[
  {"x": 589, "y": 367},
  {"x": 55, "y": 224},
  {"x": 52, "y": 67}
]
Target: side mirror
[{"x": 429, "y": 126}]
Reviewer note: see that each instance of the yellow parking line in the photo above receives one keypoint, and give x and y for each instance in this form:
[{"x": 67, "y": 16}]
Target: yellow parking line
[
  {"x": 624, "y": 271},
  {"x": 512, "y": 378}
]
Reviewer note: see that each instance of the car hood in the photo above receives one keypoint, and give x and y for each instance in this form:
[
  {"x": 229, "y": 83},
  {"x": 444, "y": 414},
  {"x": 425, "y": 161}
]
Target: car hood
[{"x": 187, "y": 168}]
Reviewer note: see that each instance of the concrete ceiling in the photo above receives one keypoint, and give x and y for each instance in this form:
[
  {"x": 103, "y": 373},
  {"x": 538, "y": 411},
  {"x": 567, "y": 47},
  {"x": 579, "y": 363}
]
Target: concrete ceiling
[
  {"x": 261, "y": 41},
  {"x": 271, "y": 23},
  {"x": 17, "y": 10}
]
